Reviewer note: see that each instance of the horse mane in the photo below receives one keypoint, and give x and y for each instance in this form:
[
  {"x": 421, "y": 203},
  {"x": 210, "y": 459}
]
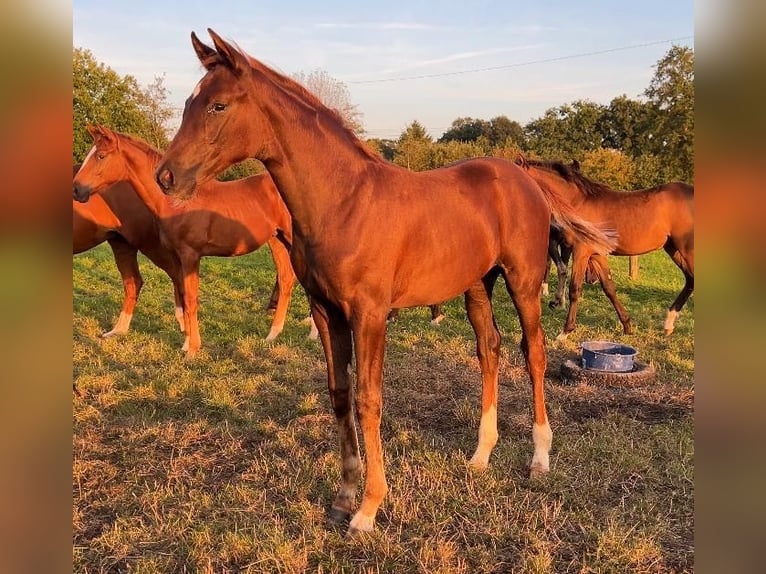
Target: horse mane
[
  {"x": 296, "y": 90},
  {"x": 587, "y": 186},
  {"x": 151, "y": 152}
]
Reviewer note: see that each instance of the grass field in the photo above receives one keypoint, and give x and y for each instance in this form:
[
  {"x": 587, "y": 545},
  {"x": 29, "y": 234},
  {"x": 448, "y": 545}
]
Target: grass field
[{"x": 228, "y": 463}]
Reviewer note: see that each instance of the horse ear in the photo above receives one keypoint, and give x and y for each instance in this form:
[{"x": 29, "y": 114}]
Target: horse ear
[
  {"x": 521, "y": 161},
  {"x": 204, "y": 52},
  {"x": 228, "y": 54}
]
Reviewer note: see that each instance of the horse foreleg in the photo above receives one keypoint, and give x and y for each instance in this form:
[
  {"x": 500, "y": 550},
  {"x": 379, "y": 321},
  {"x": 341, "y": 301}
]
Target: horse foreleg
[
  {"x": 335, "y": 335},
  {"x": 528, "y": 307},
  {"x": 126, "y": 258},
  {"x": 285, "y": 282},
  {"x": 610, "y": 289},
  {"x": 685, "y": 262},
  {"x": 579, "y": 263},
  {"x": 193, "y": 341},
  {"x": 478, "y": 305},
  {"x": 369, "y": 331}
]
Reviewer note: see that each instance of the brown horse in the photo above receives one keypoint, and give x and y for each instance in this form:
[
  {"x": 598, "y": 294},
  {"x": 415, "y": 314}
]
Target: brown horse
[
  {"x": 368, "y": 239},
  {"x": 225, "y": 219},
  {"x": 120, "y": 218},
  {"x": 645, "y": 220}
]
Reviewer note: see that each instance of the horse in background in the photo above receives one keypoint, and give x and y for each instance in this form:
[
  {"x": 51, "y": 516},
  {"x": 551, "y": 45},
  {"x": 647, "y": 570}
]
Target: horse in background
[
  {"x": 120, "y": 218},
  {"x": 226, "y": 219},
  {"x": 645, "y": 220},
  {"x": 368, "y": 239}
]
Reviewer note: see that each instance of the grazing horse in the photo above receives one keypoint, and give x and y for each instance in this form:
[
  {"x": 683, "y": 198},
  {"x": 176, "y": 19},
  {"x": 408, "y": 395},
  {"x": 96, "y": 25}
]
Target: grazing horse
[
  {"x": 368, "y": 239},
  {"x": 225, "y": 219},
  {"x": 120, "y": 218},
  {"x": 645, "y": 220}
]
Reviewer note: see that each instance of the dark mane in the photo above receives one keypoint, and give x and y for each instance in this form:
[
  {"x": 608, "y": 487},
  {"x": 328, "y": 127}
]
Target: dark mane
[
  {"x": 568, "y": 173},
  {"x": 296, "y": 90}
]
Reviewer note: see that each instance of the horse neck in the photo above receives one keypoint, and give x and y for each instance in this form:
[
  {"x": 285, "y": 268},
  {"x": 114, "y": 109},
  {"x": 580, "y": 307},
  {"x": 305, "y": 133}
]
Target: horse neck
[
  {"x": 313, "y": 168},
  {"x": 140, "y": 174}
]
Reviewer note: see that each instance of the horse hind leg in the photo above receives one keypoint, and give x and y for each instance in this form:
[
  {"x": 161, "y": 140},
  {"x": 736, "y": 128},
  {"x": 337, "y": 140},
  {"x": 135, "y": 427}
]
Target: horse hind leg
[
  {"x": 126, "y": 258},
  {"x": 478, "y": 306},
  {"x": 604, "y": 275},
  {"x": 685, "y": 262},
  {"x": 528, "y": 306},
  {"x": 437, "y": 315}
]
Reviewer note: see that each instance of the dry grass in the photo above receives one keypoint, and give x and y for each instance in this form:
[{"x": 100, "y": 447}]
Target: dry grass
[{"x": 228, "y": 463}]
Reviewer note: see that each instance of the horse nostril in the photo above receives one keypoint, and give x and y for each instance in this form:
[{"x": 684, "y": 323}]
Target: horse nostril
[{"x": 165, "y": 178}]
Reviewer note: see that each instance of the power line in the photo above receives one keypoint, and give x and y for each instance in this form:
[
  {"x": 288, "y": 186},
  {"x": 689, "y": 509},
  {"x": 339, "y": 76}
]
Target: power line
[{"x": 520, "y": 64}]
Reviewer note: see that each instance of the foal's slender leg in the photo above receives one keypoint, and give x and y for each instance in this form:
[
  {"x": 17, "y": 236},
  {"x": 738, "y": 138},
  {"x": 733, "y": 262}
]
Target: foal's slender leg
[
  {"x": 369, "y": 330},
  {"x": 478, "y": 305},
  {"x": 190, "y": 266},
  {"x": 562, "y": 265},
  {"x": 610, "y": 289},
  {"x": 126, "y": 258},
  {"x": 527, "y": 302},
  {"x": 579, "y": 264},
  {"x": 685, "y": 262},
  {"x": 335, "y": 334},
  {"x": 436, "y": 314},
  {"x": 285, "y": 280}
]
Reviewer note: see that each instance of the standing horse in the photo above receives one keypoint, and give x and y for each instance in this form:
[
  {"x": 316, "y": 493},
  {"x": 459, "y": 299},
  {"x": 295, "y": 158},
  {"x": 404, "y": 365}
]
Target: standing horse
[
  {"x": 645, "y": 220},
  {"x": 558, "y": 254},
  {"x": 368, "y": 239},
  {"x": 120, "y": 218},
  {"x": 225, "y": 219}
]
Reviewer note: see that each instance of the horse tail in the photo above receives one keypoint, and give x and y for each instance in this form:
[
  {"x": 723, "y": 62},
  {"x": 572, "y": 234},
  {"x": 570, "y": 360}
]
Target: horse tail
[{"x": 602, "y": 239}]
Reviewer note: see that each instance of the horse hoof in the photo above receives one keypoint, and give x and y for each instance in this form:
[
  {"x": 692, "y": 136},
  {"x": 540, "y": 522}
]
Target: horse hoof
[
  {"x": 112, "y": 333},
  {"x": 360, "y": 524},
  {"x": 553, "y": 304},
  {"x": 561, "y": 337},
  {"x": 435, "y": 322},
  {"x": 537, "y": 470},
  {"x": 338, "y": 517}
]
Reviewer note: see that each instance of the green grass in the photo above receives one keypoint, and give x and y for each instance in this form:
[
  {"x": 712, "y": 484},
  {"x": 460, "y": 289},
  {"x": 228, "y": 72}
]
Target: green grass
[{"x": 228, "y": 463}]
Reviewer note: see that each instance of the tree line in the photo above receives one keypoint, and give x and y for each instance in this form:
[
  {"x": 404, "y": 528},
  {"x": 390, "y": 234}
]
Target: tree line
[{"x": 627, "y": 144}]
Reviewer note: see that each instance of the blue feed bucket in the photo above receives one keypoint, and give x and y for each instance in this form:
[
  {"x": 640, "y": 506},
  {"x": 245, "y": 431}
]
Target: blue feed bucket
[{"x": 607, "y": 356}]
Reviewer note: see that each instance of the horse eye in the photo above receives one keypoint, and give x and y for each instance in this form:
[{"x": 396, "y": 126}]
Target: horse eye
[
  {"x": 101, "y": 155},
  {"x": 217, "y": 108}
]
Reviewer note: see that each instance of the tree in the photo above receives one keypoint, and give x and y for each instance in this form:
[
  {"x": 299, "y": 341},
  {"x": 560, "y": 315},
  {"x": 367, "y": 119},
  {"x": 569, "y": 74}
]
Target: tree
[
  {"x": 502, "y": 131},
  {"x": 414, "y": 148},
  {"x": 335, "y": 95},
  {"x": 624, "y": 125},
  {"x": 100, "y": 95},
  {"x": 671, "y": 96},
  {"x": 465, "y": 130},
  {"x": 609, "y": 166},
  {"x": 566, "y": 132}
]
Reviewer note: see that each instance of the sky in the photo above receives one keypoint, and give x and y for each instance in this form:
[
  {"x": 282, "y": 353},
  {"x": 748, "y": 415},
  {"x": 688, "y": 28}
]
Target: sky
[{"x": 405, "y": 60}]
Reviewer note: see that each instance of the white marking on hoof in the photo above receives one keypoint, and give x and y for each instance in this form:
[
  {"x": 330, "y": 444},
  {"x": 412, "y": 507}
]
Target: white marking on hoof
[
  {"x": 542, "y": 438},
  {"x": 180, "y": 318},
  {"x": 121, "y": 327},
  {"x": 561, "y": 337},
  {"x": 487, "y": 439},
  {"x": 437, "y": 320},
  {"x": 314, "y": 332},
  {"x": 360, "y": 523},
  {"x": 273, "y": 334},
  {"x": 185, "y": 346},
  {"x": 670, "y": 322},
  {"x": 546, "y": 290}
]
